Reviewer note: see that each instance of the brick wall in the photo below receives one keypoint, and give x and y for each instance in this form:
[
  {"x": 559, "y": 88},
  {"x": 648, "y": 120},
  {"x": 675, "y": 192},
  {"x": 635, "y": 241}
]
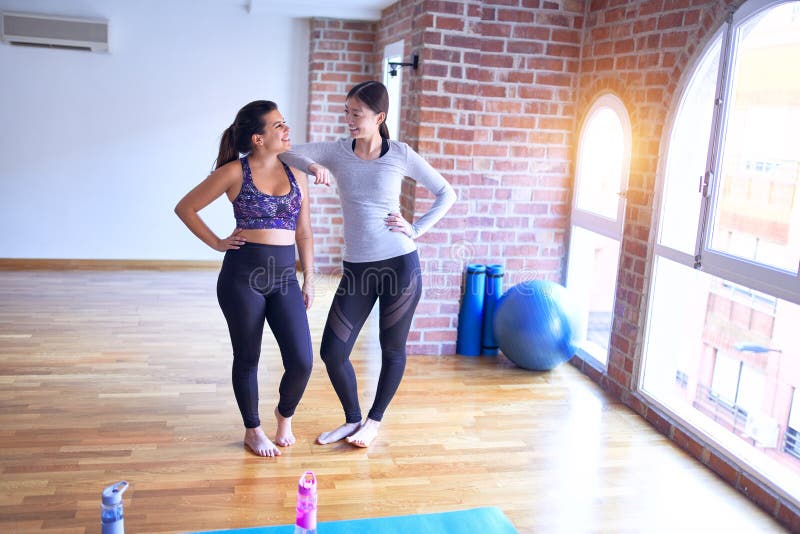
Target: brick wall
[
  {"x": 527, "y": 80},
  {"x": 498, "y": 132}
]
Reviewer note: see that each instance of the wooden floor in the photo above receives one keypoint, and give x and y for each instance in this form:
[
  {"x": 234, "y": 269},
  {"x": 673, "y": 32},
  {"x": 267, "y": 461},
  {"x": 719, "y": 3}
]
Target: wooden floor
[{"x": 126, "y": 375}]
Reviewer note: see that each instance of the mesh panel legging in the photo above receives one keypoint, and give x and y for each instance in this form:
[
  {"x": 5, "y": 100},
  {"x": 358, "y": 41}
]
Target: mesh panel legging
[
  {"x": 396, "y": 284},
  {"x": 258, "y": 282}
]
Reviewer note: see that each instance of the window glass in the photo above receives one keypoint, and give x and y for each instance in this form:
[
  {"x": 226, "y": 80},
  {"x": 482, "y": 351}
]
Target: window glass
[
  {"x": 687, "y": 158},
  {"x": 593, "y": 263},
  {"x": 757, "y": 215},
  {"x": 600, "y": 163}
]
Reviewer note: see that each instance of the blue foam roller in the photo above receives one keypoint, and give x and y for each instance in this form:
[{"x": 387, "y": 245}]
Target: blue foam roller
[
  {"x": 494, "y": 290},
  {"x": 470, "y": 315}
]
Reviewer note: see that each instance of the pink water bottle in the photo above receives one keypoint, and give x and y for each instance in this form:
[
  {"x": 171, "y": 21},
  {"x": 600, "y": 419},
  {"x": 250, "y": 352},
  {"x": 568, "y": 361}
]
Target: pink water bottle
[{"x": 306, "y": 522}]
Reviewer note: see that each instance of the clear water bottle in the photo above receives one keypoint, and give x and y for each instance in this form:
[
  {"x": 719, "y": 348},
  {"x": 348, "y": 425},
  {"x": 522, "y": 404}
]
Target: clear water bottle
[
  {"x": 111, "y": 516},
  {"x": 306, "y": 522}
]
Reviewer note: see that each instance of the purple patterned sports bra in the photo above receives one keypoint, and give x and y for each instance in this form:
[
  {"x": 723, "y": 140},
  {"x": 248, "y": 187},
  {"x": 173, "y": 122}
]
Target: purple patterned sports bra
[{"x": 255, "y": 210}]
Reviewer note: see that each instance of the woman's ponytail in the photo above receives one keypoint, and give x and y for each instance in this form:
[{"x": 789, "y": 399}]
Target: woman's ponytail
[
  {"x": 384, "y": 130},
  {"x": 227, "y": 147},
  {"x": 237, "y": 138}
]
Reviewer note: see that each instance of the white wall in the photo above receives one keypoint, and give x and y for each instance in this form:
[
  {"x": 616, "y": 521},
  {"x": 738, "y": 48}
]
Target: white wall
[{"x": 96, "y": 149}]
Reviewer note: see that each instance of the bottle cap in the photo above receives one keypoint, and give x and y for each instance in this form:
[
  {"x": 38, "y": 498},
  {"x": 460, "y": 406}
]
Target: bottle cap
[
  {"x": 113, "y": 493},
  {"x": 476, "y": 268},
  {"x": 307, "y": 484}
]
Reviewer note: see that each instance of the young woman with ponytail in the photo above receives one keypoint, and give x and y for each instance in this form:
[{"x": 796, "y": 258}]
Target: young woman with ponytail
[
  {"x": 380, "y": 260},
  {"x": 257, "y": 280}
]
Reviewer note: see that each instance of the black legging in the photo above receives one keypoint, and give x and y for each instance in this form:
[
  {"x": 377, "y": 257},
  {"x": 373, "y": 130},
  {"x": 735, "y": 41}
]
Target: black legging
[
  {"x": 258, "y": 282},
  {"x": 397, "y": 284}
]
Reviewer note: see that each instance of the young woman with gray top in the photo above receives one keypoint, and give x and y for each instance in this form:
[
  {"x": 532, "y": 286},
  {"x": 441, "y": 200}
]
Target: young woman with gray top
[{"x": 380, "y": 259}]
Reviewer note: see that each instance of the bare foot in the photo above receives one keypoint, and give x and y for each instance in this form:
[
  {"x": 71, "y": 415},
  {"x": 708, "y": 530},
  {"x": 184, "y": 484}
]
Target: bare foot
[
  {"x": 366, "y": 433},
  {"x": 259, "y": 443},
  {"x": 338, "y": 433},
  {"x": 283, "y": 436}
]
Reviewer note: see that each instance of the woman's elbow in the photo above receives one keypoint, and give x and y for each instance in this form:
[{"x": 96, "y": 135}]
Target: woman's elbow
[
  {"x": 303, "y": 235},
  {"x": 450, "y": 197},
  {"x": 182, "y": 210}
]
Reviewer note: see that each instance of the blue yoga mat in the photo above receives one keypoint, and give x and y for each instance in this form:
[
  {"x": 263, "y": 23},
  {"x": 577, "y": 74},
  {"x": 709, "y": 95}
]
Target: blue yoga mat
[
  {"x": 489, "y": 520},
  {"x": 470, "y": 314}
]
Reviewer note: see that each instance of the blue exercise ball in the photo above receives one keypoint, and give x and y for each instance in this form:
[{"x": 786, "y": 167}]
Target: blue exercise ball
[{"x": 537, "y": 325}]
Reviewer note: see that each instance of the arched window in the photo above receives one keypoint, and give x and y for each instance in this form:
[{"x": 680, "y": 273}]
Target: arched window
[
  {"x": 601, "y": 177},
  {"x": 721, "y": 350}
]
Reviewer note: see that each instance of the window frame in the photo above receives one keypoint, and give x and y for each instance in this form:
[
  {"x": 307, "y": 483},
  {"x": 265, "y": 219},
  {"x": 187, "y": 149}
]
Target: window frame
[
  {"x": 592, "y": 221},
  {"x": 782, "y": 284},
  {"x": 611, "y": 228}
]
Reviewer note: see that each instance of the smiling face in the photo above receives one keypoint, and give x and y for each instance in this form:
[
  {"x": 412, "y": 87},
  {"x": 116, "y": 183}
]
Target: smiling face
[
  {"x": 275, "y": 137},
  {"x": 362, "y": 122}
]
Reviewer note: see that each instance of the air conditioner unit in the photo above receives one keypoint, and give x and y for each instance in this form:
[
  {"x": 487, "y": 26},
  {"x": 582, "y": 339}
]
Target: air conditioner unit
[
  {"x": 763, "y": 430},
  {"x": 47, "y": 31}
]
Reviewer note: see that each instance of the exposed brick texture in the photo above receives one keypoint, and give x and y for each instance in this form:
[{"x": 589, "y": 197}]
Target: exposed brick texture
[{"x": 492, "y": 108}]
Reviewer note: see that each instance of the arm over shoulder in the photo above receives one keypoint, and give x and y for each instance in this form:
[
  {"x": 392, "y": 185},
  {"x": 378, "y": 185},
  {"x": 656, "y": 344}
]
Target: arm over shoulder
[{"x": 305, "y": 155}]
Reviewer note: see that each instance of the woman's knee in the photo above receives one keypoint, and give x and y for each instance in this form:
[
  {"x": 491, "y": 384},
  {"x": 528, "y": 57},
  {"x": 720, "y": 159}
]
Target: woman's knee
[
  {"x": 303, "y": 365},
  {"x": 333, "y": 352},
  {"x": 393, "y": 353},
  {"x": 245, "y": 360},
  {"x": 393, "y": 341}
]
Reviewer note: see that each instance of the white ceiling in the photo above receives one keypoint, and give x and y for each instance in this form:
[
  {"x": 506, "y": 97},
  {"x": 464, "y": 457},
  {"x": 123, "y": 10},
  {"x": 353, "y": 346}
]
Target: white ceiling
[{"x": 340, "y": 9}]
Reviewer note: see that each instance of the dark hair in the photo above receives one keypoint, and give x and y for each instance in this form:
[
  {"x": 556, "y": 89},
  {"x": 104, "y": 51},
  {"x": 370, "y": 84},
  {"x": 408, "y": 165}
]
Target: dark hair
[
  {"x": 237, "y": 138},
  {"x": 375, "y": 96}
]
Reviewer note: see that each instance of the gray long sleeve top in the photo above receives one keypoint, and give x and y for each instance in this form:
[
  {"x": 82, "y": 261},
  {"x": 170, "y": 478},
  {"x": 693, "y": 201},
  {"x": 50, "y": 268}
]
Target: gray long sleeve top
[{"x": 370, "y": 189}]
